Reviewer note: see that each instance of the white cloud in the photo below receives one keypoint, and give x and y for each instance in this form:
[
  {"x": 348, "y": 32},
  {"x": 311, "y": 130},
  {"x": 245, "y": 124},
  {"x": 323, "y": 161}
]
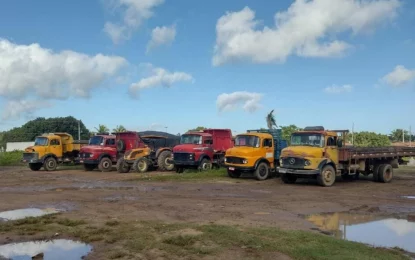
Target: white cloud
[
  {"x": 159, "y": 77},
  {"x": 33, "y": 71},
  {"x": 162, "y": 36},
  {"x": 250, "y": 101},
  {"x": 399, "y": 76},
  {"x": 307, "y": 29},
  {"x": 14, "y": 109},
  {"x": 333, "y": 89},
  {"x": 133, "y": 13}
]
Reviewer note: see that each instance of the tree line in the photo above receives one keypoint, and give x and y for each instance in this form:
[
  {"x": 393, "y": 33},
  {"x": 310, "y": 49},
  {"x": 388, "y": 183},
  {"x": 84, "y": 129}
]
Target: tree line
[{"x": 38, "y": 126}]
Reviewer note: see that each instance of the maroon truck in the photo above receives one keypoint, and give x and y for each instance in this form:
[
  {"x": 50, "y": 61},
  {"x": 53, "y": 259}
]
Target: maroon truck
[
  {"x": 202, "y": 149},
  {"x": 103, "y": 151}
]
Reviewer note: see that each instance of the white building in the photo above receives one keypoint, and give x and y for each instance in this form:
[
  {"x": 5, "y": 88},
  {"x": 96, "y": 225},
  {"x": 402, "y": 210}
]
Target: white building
[{"x": 19, "y": 146}]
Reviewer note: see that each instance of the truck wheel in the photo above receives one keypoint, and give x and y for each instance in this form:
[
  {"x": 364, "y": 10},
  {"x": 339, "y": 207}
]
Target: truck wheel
[
  {"x": 205, "y": 165},
  {"x": 105, "y": 165},
  {"x": 163, "y": 161},
  {"x": 89, "y": 167},
  {"x": 376, "y": 172},
  {"x": 141, "y": 165},
  {"x": 50, "y": 164},
  {"x": 234, "y": 174},
  {"x": 262, "y": 172},
  {"x": 120, "y": 146},
  {"x": 327, "y": 177},
  {"x": 35, "y": 166},
  {"x": 179, "y": 169},
  {"x": 288, "y": 178},
  {"x": 122, "y": 166},
  {"x": 385, "y": 173}
]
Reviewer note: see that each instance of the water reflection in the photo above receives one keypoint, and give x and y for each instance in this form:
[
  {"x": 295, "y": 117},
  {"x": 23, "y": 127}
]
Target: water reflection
[
  {"x": 55, "y": 249},
  {"x": 368, "y": 229},
  {"x": 24, "y": 213}
]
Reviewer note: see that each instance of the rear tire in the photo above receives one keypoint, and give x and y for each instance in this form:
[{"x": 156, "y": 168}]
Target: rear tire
[
  {"x": 50, "y": 164},
  {"x": 105, "y": 164},
  {"x": 262, "y": 172},
  {"x": 385, "y": 173},
  {"x": 89, "y": 167},
  {"x": 122, "y": 166},
  {"x": 35, "y": 166},
  {"x": 376, "y": 172},
  {"x": 327, "y": 177},
  {"x": 288, "y": 178},
  {"x": 234, "y": 174},
  {"x": 162, "y": 161},
  {"x": 141, "y": 165}
]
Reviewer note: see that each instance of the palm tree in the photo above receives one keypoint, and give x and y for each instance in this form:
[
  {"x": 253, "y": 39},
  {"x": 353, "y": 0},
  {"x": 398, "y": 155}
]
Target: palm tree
[
  {"x": 102, "y": 129},
  {"x": 118, "y": 129},
  {"x": 271, "y": 120}
]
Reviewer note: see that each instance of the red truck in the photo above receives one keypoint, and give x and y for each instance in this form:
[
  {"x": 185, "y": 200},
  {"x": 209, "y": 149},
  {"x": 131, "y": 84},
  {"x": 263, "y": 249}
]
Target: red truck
[
  {"x": 103, "y": 150},
  {"x": 202, "y": 149}
]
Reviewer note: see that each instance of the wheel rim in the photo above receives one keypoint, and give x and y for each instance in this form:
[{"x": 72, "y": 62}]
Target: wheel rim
[
  {"x": 51, "y": 164},
  {"x": 262, "y": 171},
  {"x": 327, "y": 176},
  {"x": 141, "y": 165},
  {"x": 205, "y": 166},
  {"x": 106, "y": 164},
  {"x": 388, "y": 174},
  {"x": 166, "y": 162}
]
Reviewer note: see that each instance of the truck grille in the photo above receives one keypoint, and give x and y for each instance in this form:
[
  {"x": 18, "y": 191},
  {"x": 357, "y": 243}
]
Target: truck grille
[
  {"x": 292, "y": 162},
  {"x": 181, "y": 157},
  {"x": 30, "y": 156},
  {"x": 84, "y": 155},
  {"x": 234, "y": 160}
]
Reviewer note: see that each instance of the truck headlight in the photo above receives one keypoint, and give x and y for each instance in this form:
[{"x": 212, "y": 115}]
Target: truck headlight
[
  {"x": 91, "y": 155},
  {"x": 307, "y": 162},
  {"x": 281, "y": 162},
  {"x": 191, "y": 156},
  {"x": 225, "y": 159},
  {"x": 244, "y": 161}
]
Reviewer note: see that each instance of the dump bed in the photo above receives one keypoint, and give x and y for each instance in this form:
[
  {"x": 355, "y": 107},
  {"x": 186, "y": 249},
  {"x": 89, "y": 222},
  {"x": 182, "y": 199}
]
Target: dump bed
[
  {"x": 276, "y": 134},
  {"x": 347, "y": 153},
  {"x": 222, "y": 139}
]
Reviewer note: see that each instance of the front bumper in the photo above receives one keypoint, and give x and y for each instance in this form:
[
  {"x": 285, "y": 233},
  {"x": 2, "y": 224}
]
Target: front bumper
[
  {"x": 239, "y": 168},
  {"x": 32, "y": 161},
  {"x": 297, "y": 171},
  {"x": 86, "y": 161},
  {"x": 186, "y": 163}
]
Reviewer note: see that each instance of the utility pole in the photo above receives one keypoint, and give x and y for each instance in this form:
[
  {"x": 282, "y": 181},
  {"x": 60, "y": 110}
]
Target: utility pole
[
  {"x": 403, "y": 136},
  {"x": 79, "y": 130},
  {"x": 353, "y": 133},
  {"x": 410, "y": 136}
]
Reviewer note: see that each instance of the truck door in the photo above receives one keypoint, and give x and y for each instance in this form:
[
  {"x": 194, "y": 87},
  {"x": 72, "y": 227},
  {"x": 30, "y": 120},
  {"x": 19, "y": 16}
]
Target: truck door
[
  {"x": 267, "y": 144},
  {"x": 56, "y": 147},
  {"x": 332, "y": 152}
]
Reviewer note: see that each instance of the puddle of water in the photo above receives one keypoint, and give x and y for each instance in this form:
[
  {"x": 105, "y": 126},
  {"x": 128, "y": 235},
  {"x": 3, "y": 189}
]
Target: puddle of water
[
  {"x": 368, "y": 229},
  {"x": 24, "y": 213},
  {"x": 115, "y": 198},
  {"x": 54, "y": 249},
  {"x": 409, "y": 197}
]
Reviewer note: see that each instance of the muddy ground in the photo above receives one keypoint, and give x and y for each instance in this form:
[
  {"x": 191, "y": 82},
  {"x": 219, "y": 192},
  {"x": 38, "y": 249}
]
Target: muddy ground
[{"x": 99, "y": 197}]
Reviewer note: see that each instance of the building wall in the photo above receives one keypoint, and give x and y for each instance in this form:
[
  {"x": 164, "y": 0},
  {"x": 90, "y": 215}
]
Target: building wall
[{"x": 20, "y": 146}]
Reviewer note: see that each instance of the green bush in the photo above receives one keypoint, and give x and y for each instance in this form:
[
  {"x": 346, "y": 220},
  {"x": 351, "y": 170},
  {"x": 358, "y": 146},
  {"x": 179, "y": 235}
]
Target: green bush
[{"x": 11, "y": 158}]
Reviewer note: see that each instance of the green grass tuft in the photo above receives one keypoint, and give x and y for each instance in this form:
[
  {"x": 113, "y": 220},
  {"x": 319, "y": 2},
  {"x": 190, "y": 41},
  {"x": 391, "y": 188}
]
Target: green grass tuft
[{"x": 11, "y": 158}]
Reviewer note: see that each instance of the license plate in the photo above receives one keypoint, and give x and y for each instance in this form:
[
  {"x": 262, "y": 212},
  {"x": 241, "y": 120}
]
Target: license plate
[
  {"x": 231, "y": 168},
  {"x": 282, "y": 170}
]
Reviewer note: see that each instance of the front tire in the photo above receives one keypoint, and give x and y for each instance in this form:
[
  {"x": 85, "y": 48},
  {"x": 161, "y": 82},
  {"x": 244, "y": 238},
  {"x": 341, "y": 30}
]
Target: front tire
[
  {"x": 35, "y": 166},
  {"x": 262, "y": 172},
  {"x": 234, "y": 174},
  {"x": 179, "y": 169},
  {"x": 205, "y": 165},
  {"x": 105, "y": 165},
  {"x": 122, "y": 166},
  {"x": 162, "y": 161},
  {"x": 141, "y": 165},
  {"x": 327, "y": 177},
  {"x": 50, "y": 164}
]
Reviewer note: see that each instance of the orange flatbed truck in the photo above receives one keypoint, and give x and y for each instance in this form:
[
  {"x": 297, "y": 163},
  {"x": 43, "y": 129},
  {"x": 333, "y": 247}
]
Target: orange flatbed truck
[{"x": 322, "y": 154}]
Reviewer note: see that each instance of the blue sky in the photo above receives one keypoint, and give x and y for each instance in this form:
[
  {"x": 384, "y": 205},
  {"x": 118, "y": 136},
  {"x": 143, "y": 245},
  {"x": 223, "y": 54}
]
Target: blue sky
[{"x": 318, "y": 66}]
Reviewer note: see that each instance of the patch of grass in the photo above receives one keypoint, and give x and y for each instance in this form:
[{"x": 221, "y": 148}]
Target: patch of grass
[
  {"x": 11, "y": 158},
  {"x": 70, "y": 222},
  {"x": 153, "y": 239},
  {"x": 188, "y": 175}
]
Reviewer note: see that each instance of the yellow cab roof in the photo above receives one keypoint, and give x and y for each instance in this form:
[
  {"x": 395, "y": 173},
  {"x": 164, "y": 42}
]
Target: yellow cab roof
[{"x": 260, "y": 135}]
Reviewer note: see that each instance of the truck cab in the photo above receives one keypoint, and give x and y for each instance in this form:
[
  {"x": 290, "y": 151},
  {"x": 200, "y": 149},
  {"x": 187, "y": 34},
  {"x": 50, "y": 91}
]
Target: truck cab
[
  {"x": 51, "y": 149},
  {"x": 202, "y": 149},
  {"x": 99, "y": 147},
  {"x": 255, "y": 152},
  {"x": 314, "y": 153}
]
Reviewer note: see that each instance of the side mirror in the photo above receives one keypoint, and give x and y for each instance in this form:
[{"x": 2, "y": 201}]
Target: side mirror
[{"x": 339, "y": 142}]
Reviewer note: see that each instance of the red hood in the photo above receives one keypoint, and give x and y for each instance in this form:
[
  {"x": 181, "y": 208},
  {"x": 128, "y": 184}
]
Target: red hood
[
  {"x": 190, "y": 148},
  {"x": 91, "y": 148}
]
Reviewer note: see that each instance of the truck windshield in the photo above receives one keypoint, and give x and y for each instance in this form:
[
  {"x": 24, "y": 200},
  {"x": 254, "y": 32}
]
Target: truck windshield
[
  {"x": 191, "y": 139},
  {"x": 96, "y": 140},
  {"x": 316, "y": 140},
  {"x": 247, "y": 140},
  {"x": 41, "y": 141}
]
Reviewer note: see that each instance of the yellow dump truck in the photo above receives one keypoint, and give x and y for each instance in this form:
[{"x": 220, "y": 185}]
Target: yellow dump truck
[{"x": 51, "y": 149}]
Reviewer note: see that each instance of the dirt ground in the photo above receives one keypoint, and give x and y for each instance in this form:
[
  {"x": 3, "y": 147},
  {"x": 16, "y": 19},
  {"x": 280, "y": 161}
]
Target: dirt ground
[{"x": 246, "y": 201}]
